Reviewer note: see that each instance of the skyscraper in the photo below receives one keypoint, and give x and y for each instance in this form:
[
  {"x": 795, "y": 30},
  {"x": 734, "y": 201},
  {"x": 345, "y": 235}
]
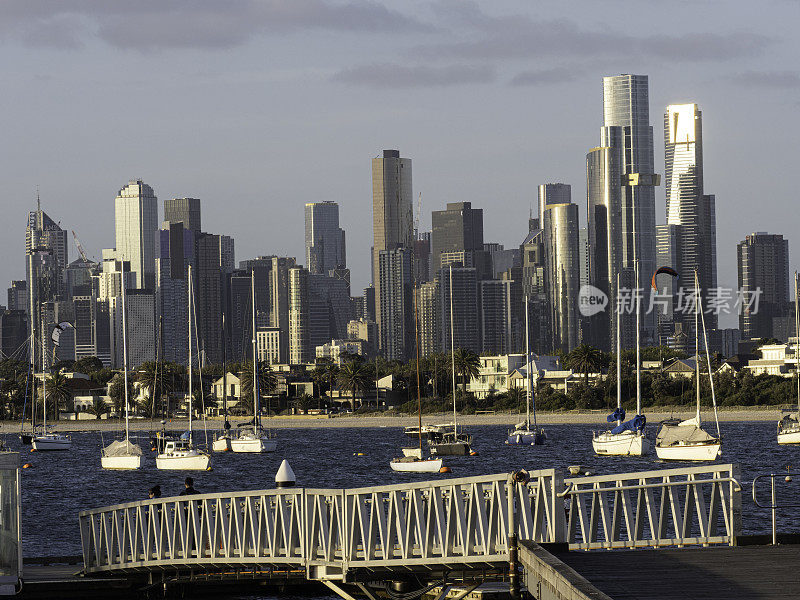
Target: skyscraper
[
  {"x": 183, "y": 210},
  {"x": 298, "y": 331},
  {"x": 45, "y": 260},
  {"x": 496, "y": 316},
  {"x": 209, "y": 282},
  {"x": 325, "y": 240},
  {"x": 396, "y": 326},
  {"x": 458, "y": 228},
  {"x": 392, "y": 215},
  {"x": 559, "y": 218},
  {"x": 136, "y": 222},
  {"x": 687, "y": 206},
  {"x": 532, "y": 277},
  {"x": 626, "y": 112},
  {"x": 763, "y": 267},
  {"x": 466, "y": 317},
  {"x": 175, "y": 254}
]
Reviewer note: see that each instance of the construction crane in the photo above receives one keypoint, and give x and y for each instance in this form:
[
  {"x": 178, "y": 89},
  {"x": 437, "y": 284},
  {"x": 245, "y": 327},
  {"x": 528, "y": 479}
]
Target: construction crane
[{"x": 81, "y": 251}]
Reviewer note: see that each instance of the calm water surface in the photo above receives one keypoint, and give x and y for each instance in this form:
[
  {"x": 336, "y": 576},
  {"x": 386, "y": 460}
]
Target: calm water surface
[{"x": 60, "y": 484}]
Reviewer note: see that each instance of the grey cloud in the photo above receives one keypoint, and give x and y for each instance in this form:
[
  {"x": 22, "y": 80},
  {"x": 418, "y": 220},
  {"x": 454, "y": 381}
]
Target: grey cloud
[
  {"x": 774, "y": 79},
  {"x": 521, "y": 37},
  {"x": 545, "y": 76},
  {"x": 153, "y": 24},
  {"x": 401, "y": 76}
]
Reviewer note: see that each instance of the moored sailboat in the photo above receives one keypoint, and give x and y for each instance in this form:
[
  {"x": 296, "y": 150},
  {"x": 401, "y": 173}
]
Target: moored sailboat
[
  {"x": 687, "y": 440},
  {"x": 122, "y": 454},
  {"x": 628, "y": 437},
  {"x": 789, "y": 425},
  {"x": 181, "y": 454},
  {"x": 523, "y": 434}
]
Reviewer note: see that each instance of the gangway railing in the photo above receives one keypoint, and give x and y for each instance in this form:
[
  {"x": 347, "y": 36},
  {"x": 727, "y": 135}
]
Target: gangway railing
[
  {"x": 773, "y": 506},
  {"x": 669, "y": 507},
  {"x": 451, "y": 522}
]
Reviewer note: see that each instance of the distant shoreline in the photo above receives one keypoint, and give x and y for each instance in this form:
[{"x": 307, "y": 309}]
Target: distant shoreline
[{"x": 392, "y": 420}]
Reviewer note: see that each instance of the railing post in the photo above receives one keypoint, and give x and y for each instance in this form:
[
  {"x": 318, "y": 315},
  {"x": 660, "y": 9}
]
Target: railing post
[
  {"x": 513, "y": 566},
  {"x": 774, "y": 511},
  {"x": 736, "y": 503}
]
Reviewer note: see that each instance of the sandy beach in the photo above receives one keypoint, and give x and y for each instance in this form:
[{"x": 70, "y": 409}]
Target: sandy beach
[{"x": 393, "y": 420}]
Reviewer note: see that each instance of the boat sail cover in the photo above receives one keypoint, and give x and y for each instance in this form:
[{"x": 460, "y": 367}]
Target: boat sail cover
[
  {"x": 675, "y": 434},
  {"x": 637, "y": 423},
  {"x": 617, "y": 415},
  {"x": 122, "y": 448}
]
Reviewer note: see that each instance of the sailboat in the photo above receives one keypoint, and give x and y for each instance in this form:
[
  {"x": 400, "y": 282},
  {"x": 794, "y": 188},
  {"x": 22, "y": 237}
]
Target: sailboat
[
  {"x": 687, "y": 440},
  {"x": 223, "y": 441},
  {"x": 523, "y": 435},
  {"x": 451, "y": 443},
  {"x": 252, "y": 438},
  {"x": 181, "y": 454},
  {"x": 122, "y": 454},
  {"x": 789, "y": 425},
  {"x": 412, "y": 460},
  {"x": 628, "y": 437}
]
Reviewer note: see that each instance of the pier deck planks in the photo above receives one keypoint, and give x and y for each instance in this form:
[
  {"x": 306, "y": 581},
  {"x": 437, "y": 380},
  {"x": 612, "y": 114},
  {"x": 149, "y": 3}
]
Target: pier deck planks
[{"x": 753, "y": 572}]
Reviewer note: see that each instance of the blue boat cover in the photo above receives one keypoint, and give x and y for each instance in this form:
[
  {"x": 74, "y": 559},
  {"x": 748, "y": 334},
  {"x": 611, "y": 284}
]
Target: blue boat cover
[
  {"x": 186, "y": 435},
  {"x": 617, "y": 415},
  {"x": 637, "y": 423}
]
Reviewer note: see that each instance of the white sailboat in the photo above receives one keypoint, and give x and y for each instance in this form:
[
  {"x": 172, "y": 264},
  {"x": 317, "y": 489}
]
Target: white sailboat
[
  {"x": 48, "y": 440},
  {"x": 222, "y": 443},
  {"x": 253, "y": 438},
  {"x": 687, "y": 440},
  {"x": 523, "y": 434},
  {"x": 181, "y": 454},
  {"x": 452, "y": 443},
  {"x": 413, "y": 460},
  {"x": 789, "y": 425},
  {"x": 122, "y": 454},
  {"x": 627, "y": 438}
]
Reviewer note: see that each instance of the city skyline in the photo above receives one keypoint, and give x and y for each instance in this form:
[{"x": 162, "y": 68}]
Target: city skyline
[{"x": 501, "y": 99}]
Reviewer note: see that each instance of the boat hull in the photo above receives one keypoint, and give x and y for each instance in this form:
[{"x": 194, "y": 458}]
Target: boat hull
[
  {"x": 789, "y": 437},
  {"x": 432, "y": 465},
  {"x": 222, "y": 444},
  {"x": 627, "y": 443},
  {"x": 690, "y": 452},
  {"x": 196, "y": 461},
  {"x": 526, "y": 438},
  {"x": 127, "y": 462},
  {"x": 253, "y": 446},
  {"x": 51, "y": 442},
  {"x": 454, "y": 449}
]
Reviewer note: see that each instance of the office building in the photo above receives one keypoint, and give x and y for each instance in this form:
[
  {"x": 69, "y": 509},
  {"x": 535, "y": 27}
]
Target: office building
[
  {"x": 136, "y": 224},
  {"x": 396, "y": 328},
  {"x": 422, "y": 256},
  {"x": 459, "y": 228},
  {"x": 392, "y": 221},
  {"x": 763, "y": 268},
  {"x": 688, "y": 207},
  {"x": 18, "y": 295},
  {"x": 532, "y": 277},
  {"x": 325, "y": 240},
  {"x": 268, "y": 345},
  {"x": 14, "y": 334},
  {"x": 185, "y": 211},
  {"x": 559, "y": 218},
  {"x": 85, "y": 324},
  {"x": 466, "y": 329},
  {"x": 279, "y": 299},
  {"x": 176, "y": 250},
  {"x": 428, "y": 318},
  {"x": 299, "y": 346},
  {"x": 78, "y": 277},
  {"x": 496, "y": 316},
  {"x": 110, "y": 281},
  {"x": 141, "y": 309}
]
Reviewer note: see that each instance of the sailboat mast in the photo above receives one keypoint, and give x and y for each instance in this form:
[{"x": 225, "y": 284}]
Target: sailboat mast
[
  {"x": 708, "y": 360},
  {"x": 44, "y": 374},
  {"x": 527, "y": 369},
  {"x": 255, "y": 358},
  {"x": 419, "y": 392},
  {"x": 638, "y": 346},
  {"x": 32, "y": 321},
  {"x": 224, "y": 371},
  {"x": 453, "y": 351},
  {"x": 619, "y": 358},
  {"x": 189, "y": 286},
  {"x": 125, "y": 358},
  {"x": 797, "y": 341},
  {"x": 697, "y": 341}
]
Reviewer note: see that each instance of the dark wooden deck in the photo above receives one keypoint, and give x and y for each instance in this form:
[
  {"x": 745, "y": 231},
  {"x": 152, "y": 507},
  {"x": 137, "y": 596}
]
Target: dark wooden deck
[{"x": 752, "y": 572}]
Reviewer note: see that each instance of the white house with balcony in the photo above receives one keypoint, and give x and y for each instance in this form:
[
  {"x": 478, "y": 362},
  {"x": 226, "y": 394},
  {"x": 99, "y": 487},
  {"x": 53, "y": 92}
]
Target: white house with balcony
[
  {"x": 776, "y": 359},
  {"x": 493, "y": 374}
]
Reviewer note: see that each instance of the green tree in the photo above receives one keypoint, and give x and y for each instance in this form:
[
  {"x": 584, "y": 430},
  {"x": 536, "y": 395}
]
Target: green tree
[
  {"x": 585, "y": 359},
  {"x": 353, "y": 376},
  {"x": 267, "y": 383},
  {"x": 58, "y": 393},
  {"x": 88, "y": 365},
  {"x": 116, "y": 390},
  {"x": 98, "y": 407},
  {"x": 467, "y": 365}
]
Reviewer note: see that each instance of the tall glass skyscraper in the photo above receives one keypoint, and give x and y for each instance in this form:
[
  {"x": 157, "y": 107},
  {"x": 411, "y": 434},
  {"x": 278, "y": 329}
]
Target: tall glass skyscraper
[
  {"x": 325, "y": 241},
  {"x": 688, "y": 207},
  {"x": 136, "y": 223}
]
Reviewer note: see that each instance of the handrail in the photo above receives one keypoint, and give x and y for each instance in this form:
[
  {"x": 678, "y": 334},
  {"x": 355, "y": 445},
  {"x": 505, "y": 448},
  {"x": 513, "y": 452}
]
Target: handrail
[{"x": 773, "y": 506}]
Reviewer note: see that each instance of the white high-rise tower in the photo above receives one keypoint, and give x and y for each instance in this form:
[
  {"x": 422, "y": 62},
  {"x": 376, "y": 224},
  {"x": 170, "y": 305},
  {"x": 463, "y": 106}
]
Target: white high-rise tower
[{"x": 136, "y": 221}]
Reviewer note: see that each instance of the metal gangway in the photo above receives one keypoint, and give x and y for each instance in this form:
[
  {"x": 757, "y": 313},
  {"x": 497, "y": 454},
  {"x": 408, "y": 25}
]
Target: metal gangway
[{"x": 445, "y": 525}]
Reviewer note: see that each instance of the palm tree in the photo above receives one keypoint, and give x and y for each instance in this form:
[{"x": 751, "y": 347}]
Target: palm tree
[
  {"x": 332, "y": 370},
  {"x": 98, "y": 407},
  {"x": 116, "y": 390},
  {"x": 585, "y": 358},
  {"x": 267, "y": 382},
  {"x": 516, "y": 397},
  {"x": 58, "y": 392},
  {"x": 354, "y": 376},
  {"x": 467, "y": 364}
]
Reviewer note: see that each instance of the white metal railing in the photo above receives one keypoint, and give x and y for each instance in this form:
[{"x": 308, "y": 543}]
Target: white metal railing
[
  {"x": 669, "y": 507},
  {"x": 452, "y": 521}
]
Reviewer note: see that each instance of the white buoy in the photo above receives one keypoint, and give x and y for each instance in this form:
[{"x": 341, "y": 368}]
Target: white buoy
[{"x": 285, "y": 476}]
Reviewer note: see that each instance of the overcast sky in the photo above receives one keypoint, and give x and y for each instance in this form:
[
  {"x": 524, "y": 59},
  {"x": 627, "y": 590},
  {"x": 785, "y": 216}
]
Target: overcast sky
[{"x": 257, "y": 107}]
